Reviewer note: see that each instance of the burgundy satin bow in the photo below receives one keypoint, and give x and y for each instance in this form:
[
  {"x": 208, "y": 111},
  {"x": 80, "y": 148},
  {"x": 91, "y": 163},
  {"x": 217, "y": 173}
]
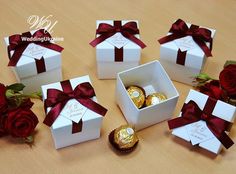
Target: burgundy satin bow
[
  {"x": 192, "y": 113},
  {"x": 128, "y": 30},
  {"x": 18, "y": 44},
  {"x": 57, "y": 100},
  {"x": 200, "y": 35}
]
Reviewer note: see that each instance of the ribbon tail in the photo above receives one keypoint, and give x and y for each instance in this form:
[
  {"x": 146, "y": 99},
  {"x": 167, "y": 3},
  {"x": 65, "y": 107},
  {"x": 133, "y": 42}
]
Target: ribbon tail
[
  {"x": 179, "y": 122},
  {"x": 54, "y": 113},
  {"x": 16, "y": 55},
  {"x": 100, "y": 39},
  {"x": 225, "y": 140},
  {"x": 95, "y": 107},
  {"x": 204, "y": 47},
  {"x": 169, "y": 38}
]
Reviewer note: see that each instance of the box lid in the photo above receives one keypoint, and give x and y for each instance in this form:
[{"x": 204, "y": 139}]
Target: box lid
[
  {"x": 26, "y": 66},
  {"x": 62, "y": 121},
  {"x": 195, "y": 56},
  {"x": 222, "y": 110},
  {"x": 118, "y": 41}
]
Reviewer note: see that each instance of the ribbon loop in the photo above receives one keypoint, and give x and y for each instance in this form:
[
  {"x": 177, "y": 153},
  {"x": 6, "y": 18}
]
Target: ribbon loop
[{"x": 192, "y": 113}]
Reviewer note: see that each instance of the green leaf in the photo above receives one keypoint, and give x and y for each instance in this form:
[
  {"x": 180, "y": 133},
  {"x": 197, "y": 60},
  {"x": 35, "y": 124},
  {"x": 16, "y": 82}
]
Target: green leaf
[
  {"x": 16, "y": 87},
  {"x": 37, "y": 95},
  {"x": 229, "y": 62},
  {"x": 29, "y": 139}
]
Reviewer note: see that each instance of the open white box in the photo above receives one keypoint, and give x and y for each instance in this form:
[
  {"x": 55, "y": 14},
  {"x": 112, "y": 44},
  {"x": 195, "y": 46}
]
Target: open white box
[
  {"x": 153, "y": 78},
  {"x": 222, "y": 110},
  {"x": 26, "y": 71},
  {"x": 62, "y": 128},
  {"x": 107, "y": 68},
  {"x": 194, "y": 61}
]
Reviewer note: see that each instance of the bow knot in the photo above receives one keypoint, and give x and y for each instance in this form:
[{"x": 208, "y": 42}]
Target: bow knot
[
  {"x": 19, "y": 43},
  {"x": 192, "y": 113},
  {"x": 57, "y": 100},
  {"x": 128, "y": 30},
  {"x": 200, "y": 35}
]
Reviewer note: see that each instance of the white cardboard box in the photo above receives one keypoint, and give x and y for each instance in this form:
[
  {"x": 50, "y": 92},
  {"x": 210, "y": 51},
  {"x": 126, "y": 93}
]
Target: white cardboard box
[
  {"x": 194, "y": 62},
  {"x": 107, "y": 68},
  {"x": 62, "y": 128},
  {"x": 153, "y": 78},
  {"x": 222, "y": 110},
  {"x": 26, "y": 72}
]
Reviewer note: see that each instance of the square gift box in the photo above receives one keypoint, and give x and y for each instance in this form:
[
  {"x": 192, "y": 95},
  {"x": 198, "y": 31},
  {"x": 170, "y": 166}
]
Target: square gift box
[
  {"x": 34, "y": 59},
  {"x": 79, "y": 117},
  {"x": 214, "y": 116},
  {"x": 117, "y": 47},
  {"x": 184, "y": 50},
  {"x": 152, "y": 78}
]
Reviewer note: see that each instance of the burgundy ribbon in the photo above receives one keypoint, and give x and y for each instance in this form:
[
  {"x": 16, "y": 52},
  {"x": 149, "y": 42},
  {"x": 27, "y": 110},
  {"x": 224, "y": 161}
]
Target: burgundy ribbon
[
  {"x": 181, "y": 57},
  {"x": 128, "y": 31},
  {"x": 192, "y": 113},
  {"x": 57, "y": 100},
  {"x": 18, "y": 44},
  {"x": 200, "y": 35}
]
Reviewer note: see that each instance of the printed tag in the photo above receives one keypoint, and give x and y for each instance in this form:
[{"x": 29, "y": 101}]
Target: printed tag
[
  {"x": 198, "y": 132},
  {"x": 117, "y": 40},
  {"x": 185, "y": 43},
  {"x": 73, "y": 110},
  {"x": 34, "y": 51}
]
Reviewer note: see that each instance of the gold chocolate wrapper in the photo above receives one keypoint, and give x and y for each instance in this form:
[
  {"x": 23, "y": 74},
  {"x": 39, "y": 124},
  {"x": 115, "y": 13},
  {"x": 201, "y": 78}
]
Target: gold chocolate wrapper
[
  {"x": 137, "y": 94},
  {"x": 124, "y": 138},
  {"x": 155, "y": 98}
]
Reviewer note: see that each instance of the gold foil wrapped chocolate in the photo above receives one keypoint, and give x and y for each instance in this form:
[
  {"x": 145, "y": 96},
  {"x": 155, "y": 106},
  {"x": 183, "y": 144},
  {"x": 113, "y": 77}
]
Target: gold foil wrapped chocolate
[
  {"x": 137, "y": 94},
  {"x": 155, "y": 98},
  {"x": 123, "y": 138}
]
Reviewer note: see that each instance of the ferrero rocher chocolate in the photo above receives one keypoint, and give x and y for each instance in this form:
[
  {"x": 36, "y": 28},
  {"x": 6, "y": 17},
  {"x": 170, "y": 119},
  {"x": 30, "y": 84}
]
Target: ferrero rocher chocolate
[
  {"x": 123, "y": 138},
  {"x": 137, "y": 94},
  {"x": 155, "y": 98}
]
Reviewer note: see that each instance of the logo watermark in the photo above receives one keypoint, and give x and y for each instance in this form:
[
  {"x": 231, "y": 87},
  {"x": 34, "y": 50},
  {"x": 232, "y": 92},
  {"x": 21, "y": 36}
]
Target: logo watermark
[{"x": 45, "y": 22}]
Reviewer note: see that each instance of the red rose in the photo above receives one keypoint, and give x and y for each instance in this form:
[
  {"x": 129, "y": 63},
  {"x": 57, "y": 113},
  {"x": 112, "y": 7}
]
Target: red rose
[
  {"x": 21, "y": 122},
  {"x": 228, "y": 80},
  {"x": 212, "y": 89},
  {"x": 3, "y": 131},
  {"x": 3, "y": 99}
]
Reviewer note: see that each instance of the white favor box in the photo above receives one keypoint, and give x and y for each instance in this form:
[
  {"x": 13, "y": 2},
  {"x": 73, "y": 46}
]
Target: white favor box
[
  {"x": 107, "y": 68},
  {"x": 194, "y": 62},
  {"x": 153, "y": 78},
  {"x": 26, "y": 72},
  {"x": 222, "y": 110},
  {"x": 62, "y": 127}
]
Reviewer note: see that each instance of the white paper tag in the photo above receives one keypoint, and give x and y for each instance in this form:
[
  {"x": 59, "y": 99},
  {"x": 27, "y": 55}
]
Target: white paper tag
[
  {"x": 186, "y": 43},
  {"x": 117, "y": 40},
  {"x": 73, "y": 110},
  {"x": 198, "y": 132},
  {"x": 34, "y": 51}
]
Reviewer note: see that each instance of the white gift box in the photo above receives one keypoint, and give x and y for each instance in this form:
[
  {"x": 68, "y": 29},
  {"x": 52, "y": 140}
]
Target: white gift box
[
  {"x": 194, "y": 60},
  {"x": 61, "y": 129},
  {"x": 152, "y": 78},
  {"x": 107, "y": 67},
  {"x": 198, "y": 132},
  {"x": 26, "y": 70}
]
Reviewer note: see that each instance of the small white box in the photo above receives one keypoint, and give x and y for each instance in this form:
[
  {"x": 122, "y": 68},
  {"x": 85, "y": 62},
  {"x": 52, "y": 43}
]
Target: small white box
[
  {"x": 26, "y": 70},
  {"x": 209, "y": 142},
  {"x": 107, "y": 67},
  {"x": 194, "y": 60},
  {"x": 153, "y": 78},
  {"x": 61, "y": 129}
]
